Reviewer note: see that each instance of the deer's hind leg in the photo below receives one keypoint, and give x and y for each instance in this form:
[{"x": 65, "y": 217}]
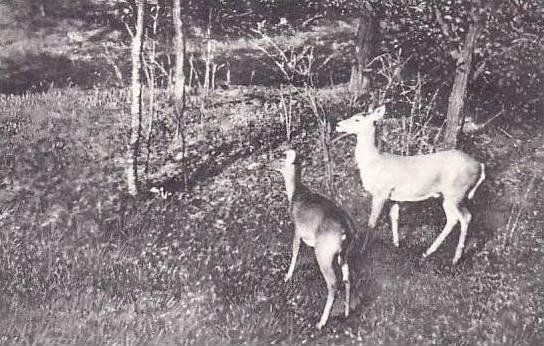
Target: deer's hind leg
[
  {"x": 295, "y": 248},
  {"x": 347, "y": 285},
  {"x": 452, "y": 217},
  {"x": 325, "y": 253},
  {"x": 464, "y": 219}
]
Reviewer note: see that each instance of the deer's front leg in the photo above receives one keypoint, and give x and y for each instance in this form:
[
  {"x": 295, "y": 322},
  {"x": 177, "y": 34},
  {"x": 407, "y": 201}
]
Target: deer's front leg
[
  {"x": 296, "y": 246},
  {"x": 377, "y": 206}
]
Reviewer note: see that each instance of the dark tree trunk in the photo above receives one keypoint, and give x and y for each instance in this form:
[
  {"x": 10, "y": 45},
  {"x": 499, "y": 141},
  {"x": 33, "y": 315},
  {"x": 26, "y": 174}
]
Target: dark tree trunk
[
  {"x": 455, "y": 118},
  {"x": 364, "y": 45},
  {"x": 136, "y": 100}
]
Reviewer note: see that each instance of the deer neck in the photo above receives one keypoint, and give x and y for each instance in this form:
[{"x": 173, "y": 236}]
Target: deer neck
[
  {"x": 366, "y": 150},
  {"x": 292, "y": 181}
]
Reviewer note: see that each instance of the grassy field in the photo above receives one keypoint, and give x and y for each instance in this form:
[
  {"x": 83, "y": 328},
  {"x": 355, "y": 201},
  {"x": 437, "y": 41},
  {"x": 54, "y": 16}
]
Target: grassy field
[{"x": 81, "y": 262}]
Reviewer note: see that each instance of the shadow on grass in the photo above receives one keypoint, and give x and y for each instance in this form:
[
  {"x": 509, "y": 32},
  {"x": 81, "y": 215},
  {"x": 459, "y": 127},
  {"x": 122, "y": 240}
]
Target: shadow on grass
[
  {"x": 40, "y": 72},
  {"x": 222, "y": 157}
]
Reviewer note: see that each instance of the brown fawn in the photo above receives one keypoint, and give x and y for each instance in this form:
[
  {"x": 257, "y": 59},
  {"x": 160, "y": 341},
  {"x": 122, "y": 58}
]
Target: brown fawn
[
  {"x": 452, "y": 175},
  {"x": 321, "y": 224}
]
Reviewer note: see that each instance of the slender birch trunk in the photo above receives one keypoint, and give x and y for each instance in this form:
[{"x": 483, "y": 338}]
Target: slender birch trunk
[{"x": 136, "y": 101}]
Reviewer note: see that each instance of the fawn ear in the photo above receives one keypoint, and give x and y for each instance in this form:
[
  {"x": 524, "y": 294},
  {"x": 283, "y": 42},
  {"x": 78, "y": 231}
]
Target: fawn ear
[
  {"x": 377, "y": 114},
  {"x": 290, "y": 156}
]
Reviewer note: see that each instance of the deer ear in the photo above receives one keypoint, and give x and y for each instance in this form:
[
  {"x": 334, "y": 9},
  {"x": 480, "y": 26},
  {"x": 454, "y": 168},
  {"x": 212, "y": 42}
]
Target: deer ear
[
  {"x": 290, "y": 156},
  {"x": 378, "y": 113}
]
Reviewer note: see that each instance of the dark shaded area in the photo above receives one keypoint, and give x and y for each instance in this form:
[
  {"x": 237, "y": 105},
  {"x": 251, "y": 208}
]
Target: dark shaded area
[
  {"x": 38, "y": 12},
  {"x": 219, "y": 158},
  {"x": 247, "y": 66},
  {"x": 40, "y": 72}
]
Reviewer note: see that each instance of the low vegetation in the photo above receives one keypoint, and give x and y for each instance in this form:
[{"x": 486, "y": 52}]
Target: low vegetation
[
  {"x": 199, "y": 256},
  {"x": 82, "y": 262}
]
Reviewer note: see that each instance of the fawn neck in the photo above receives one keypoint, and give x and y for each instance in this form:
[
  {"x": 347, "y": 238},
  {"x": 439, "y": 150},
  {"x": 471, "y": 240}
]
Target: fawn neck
[
  {"x": 366, "y": 150},
  {"x": 291, "y": 174}
]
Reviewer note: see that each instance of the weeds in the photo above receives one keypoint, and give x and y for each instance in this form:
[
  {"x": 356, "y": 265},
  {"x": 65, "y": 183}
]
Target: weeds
[
  {"x": 287, "y": 112},
  {"x": 513, "y": 220}
]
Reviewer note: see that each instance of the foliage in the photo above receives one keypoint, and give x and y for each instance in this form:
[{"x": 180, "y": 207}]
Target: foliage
[
  {"x": 507, "y": 59},
  {"x": 432, "y": 34}
]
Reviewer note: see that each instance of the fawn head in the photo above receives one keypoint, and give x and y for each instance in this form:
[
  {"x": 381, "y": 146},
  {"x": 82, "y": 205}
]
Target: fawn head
[
  {"x": 360, "y": 123},
  {"x": 287, "y": 165}
]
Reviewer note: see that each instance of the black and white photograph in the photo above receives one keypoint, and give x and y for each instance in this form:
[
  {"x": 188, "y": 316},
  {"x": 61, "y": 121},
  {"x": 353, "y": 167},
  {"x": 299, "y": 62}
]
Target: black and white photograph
[{"x": 259, "y": 172}]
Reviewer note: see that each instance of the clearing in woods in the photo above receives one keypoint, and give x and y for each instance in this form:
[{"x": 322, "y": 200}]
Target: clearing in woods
[{"x": 83, "y": 263}]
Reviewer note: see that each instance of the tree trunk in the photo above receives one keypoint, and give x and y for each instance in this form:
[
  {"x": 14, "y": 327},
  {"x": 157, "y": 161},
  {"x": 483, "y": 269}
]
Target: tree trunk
[
  {"x": 149, "y": 69},
  {"x": 41, "y": 7},
  {"x": 209, "y": 55},
  {"x": 364, "y": 45},
  {"x": 136, "y": 101},
  {"x": 326, "y": 131},
  {"x": 455, "y": 118},
  {"x": 179, "y": 73}
]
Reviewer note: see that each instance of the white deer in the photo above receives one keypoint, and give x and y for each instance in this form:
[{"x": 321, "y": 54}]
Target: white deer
[{"x": 452, "y": 175}]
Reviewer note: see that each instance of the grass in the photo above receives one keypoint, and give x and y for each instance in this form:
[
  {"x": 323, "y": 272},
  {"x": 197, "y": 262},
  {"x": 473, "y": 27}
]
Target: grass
[{"x": 81, "y": 262}]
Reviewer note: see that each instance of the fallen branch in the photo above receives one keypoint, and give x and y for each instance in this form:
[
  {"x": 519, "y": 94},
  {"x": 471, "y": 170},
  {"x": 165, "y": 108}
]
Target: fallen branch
[{"x": 310, "y": 20}]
